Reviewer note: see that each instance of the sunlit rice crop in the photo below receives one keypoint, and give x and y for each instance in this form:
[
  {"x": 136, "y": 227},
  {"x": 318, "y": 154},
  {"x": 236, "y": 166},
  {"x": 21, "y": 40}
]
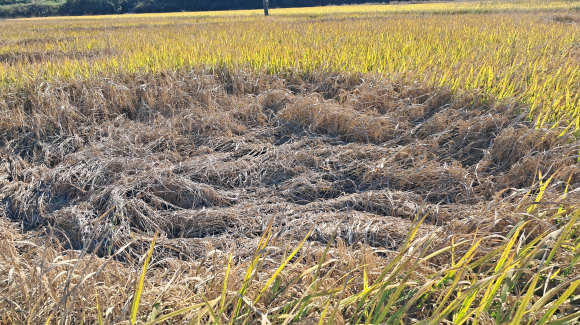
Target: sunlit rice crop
[{"x": 532, "y": 56}]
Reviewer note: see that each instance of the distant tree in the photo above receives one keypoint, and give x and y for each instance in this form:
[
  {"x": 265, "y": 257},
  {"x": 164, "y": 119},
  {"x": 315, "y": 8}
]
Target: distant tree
[
  {"x": 28, "y": 8},
  {"x": 96, "y": 7}
]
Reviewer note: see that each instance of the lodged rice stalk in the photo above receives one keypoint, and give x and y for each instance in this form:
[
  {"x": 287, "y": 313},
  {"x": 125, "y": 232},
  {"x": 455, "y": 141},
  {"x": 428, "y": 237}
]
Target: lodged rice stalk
[{"x": 249, "y": 199}]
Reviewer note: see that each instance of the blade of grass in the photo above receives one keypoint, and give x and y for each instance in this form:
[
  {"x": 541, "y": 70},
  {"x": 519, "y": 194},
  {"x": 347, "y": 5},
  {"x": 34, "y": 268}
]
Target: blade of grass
[
  {"x": 398, "y": 315},
  {"x": 225, "y": 287},
  {"x": 555, "y": 305},
  {"x": 176, "y": 313},
  {"x": 282, "y": 266},
  {"x": 335, "y": 311},
  {"x": 139, "y": 288},
  {"x": 476, "y": 287},
  {"x": 570, "y": 319},
  {"x": 250, "y": 271},
  {"x": 332, "y": 237},
  {"x": 209, "y": 308},
  {"x": 393, "y": 298},
  {"x": 563, "y": 236},
  {"x": 99, "y": 316},
  {"x": 524, "y": 303}
]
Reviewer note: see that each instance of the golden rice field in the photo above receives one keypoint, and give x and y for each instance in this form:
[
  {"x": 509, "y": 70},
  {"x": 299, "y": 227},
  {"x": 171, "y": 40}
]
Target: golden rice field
[
  {"x": 531, "y": 55},
  {"x": 372, "y": 164}
]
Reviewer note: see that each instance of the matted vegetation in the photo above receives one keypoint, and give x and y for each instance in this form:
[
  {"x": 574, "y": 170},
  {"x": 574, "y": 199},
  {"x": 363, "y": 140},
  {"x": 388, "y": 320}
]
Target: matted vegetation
[{"x": 315, "y": 191}]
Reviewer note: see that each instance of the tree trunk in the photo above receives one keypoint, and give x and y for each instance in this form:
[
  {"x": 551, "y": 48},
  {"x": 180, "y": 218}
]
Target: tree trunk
[{"x": 266, "y": 3}]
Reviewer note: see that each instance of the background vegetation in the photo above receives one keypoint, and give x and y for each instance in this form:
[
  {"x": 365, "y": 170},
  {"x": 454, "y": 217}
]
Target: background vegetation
[
  {"x": 42, "y": 8},
  {"x": 26, "y": 9}
]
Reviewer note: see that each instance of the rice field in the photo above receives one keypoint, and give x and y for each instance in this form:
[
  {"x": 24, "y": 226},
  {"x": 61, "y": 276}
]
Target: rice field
[
  {"x": 531, "y": 56},
  {"x": 373, "y": 164}
]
